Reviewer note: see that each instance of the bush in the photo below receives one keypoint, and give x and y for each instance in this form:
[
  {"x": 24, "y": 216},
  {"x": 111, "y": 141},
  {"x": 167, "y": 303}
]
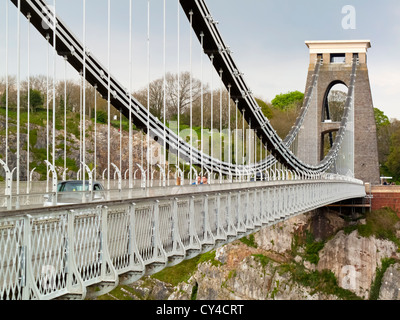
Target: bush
[
  {"x": 312, "y": 248},
  {"x": 380, "y": 272},
  {"x": 283, "y": 101},
  {"x": 324, "y": 281},
  {"x": 183, "y": 271},
  {"x": 249, "y": 241},
  {"x": 102, "y": 117},
  {"x": 381, "y": 224},
  {"x": 265, "y": 108},
  {"x": 312, "y": 251}
]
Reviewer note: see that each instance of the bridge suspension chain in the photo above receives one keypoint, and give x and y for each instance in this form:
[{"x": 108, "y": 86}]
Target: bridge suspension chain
[
  {"x": 223, "y": 60},
  {"x": 64, "y": 42}
]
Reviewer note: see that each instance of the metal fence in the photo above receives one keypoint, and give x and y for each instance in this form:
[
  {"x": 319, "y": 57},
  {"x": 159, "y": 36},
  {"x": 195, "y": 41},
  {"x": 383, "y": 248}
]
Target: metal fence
[{"x": 82, "y": 251}]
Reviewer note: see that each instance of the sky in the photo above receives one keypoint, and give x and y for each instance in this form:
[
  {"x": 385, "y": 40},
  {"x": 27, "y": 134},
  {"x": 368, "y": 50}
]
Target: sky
[{"x": 267, "y": 38}]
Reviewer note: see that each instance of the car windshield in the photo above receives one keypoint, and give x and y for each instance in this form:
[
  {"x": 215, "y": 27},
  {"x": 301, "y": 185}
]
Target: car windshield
[{"x": 72, "y": 186}]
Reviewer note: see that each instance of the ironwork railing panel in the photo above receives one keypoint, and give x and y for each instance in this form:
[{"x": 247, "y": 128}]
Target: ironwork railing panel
[
  {"x": 12, "y": 253},
  {"x": 64, "y": 252}
]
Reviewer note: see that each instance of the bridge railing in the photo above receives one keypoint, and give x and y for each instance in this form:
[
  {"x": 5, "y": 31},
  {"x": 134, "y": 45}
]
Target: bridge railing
[
  {"x": 45, "y": 199},
  {"x": 78, "y": 251}
]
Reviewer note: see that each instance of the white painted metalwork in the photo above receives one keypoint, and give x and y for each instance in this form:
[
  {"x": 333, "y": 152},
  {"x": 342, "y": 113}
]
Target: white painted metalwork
[
  {"x": 85, "y": 243},
  {"x": 79, "y": 251}
]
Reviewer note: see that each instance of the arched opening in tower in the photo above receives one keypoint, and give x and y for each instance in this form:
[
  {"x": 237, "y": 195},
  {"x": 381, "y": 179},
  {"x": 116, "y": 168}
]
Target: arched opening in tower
[{"x": 332, "y": 114}]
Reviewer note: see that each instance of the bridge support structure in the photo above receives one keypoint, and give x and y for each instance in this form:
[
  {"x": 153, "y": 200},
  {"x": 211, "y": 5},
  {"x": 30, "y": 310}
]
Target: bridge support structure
[
  {"x": 336, "y": 68},
  {"x": 85, "y": 250}
]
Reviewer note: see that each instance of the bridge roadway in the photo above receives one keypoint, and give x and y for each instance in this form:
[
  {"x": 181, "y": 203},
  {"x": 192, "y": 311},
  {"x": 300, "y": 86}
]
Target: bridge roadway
[{"x": 85, "y": 250}]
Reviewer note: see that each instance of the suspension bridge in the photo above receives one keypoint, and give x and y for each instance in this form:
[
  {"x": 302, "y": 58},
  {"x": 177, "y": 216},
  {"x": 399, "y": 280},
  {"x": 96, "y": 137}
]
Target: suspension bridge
[{"x": 82, "y": 244}]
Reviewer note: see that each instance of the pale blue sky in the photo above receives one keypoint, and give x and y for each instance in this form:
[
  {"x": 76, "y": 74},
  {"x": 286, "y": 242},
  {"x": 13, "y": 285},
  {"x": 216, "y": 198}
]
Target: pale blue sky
[
  {"x": 268, "y": 40},
  {"x": 266, "y": 36}
]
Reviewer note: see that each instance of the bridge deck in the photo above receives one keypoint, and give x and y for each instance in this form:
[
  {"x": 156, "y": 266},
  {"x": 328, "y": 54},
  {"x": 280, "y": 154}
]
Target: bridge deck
[
  {"x": 36, "y": 201},
  {"x": 85, "y": 250}
]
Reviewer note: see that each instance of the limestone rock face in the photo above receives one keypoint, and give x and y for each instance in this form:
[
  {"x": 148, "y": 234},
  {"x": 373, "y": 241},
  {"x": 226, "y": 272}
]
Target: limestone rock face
[
  {"x": 275, "y": 265},
  {"x": 390, "y": 288},
  {"x": 354, "y": 260},
  {"x": 248, "y": 274},
  {"x": 117, "y": 142},
  {"x": 325, "y": 223},
  {"x": 145, "y": 289},
  {"x": 279, "y": 238}
]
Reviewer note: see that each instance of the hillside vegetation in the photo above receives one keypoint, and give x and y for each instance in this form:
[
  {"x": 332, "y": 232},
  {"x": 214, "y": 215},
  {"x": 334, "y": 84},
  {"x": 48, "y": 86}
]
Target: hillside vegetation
[{"x": 282, "y": 112}]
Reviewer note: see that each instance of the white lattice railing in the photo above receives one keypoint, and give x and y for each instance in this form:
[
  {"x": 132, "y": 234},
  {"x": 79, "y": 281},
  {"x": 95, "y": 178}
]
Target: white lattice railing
[{"x": 86, "y": 250}]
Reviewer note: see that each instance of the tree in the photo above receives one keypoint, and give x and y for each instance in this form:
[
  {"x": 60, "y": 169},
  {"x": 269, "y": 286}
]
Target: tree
[
  {"x": 172, "y": 94},
  {"x": 388, "y": 134},
  {"x": 380, "y": 118},
  {"x": 102, "y": 117},
  {"x": 265, "y": 108},
  {"x": 184, "y": 92},
  {"x": 12, "y": 92},
  {"x": 283, "y": 120},
  {"x": 36, "y": 99},
  {"x": 393, "y": 159},
  {"x": 336, "y": 103},
  {"x": 384, "y": 130},
  {"x": 288, "y": 100}
]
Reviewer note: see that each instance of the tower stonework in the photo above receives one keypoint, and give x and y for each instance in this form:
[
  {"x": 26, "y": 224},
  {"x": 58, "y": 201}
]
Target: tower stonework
[{"x": 337, "y": 59}]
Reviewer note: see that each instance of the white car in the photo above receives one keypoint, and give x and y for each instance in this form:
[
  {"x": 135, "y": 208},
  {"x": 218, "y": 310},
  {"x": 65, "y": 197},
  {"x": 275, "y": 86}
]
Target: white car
[{"x": 73, "y": 192}]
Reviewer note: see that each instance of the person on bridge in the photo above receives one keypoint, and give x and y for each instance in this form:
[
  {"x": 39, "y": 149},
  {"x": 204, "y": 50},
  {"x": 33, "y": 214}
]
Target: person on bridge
[{"x": 198, "y": 181}]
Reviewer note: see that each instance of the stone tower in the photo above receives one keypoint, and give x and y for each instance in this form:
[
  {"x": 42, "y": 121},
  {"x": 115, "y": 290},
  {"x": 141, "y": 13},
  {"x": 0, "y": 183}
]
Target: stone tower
[{"x": 336, "y": 69}]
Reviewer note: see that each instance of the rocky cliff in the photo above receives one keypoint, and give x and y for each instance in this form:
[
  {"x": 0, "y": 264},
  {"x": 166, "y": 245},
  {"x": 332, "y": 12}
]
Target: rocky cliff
[
  {"x": 38, "y": 148},
  {"x": 287, "y": 262}
]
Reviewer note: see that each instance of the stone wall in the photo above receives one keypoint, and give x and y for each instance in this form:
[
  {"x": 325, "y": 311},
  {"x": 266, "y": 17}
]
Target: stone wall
[{"x": 386, "y": 196}]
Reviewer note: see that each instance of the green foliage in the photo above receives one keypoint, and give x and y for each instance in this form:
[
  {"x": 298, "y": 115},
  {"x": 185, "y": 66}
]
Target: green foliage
[
  {"x": 381, "y": 224},
  {"x": 324, "y": 281},
  {"x": 265, "y": 108},
  {"x": 3, "y": 101},
  {"x": 179, "y": 273},
  {"x": 40, "y": 166},
  {"x": 380, "y": 272},
  {"x": 264, "y": 260},
  {"x": 121, "y": 293},
  {"x": 349, "y": 229},
  {"x": 183, "y": 271},
  {"x": 388, "y": 133},
  {"x": 33, "y": 137},
  {"x": 380, "y": 118},
  {"x": 312, "y": 251},
  {"x": 125, "y": 124},
  {"x": 393, "y": 160},
  {"x": 195, "y": 288},
  {"x": 311, "y": 247},
  {"x": 249, "y": 241},
  {"x": 209, "y": 257},
  {"x": 36, "y": 98},
  {"x": 287, "y": 100},
  {"x": 70, "y": 163},
  {"x": 102, "y": 117}
]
